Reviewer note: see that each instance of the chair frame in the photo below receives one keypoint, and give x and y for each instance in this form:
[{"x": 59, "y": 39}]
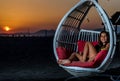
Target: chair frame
[{"x": 69, "y": 31}]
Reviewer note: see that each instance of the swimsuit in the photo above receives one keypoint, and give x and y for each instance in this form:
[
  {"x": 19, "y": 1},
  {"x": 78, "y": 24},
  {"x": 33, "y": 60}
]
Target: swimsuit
[{"x": 99, "y": 48}]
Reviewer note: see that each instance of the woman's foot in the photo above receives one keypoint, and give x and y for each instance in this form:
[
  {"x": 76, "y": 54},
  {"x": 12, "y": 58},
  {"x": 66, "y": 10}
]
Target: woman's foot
[{"x": 65, "y": 61}]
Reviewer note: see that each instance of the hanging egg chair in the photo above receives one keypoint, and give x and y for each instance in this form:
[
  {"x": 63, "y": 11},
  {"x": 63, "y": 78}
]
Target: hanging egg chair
[{"x": 69, "y": 38}]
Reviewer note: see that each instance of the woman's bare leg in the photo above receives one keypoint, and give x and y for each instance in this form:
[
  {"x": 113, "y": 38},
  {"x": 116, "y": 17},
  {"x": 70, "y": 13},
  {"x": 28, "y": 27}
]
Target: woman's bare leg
[
  {"x": 69, "y": 60},
  {"x": 85, "y": 52},
  {"x": 89, "y": 51},
  {"x": 73, "y": 56},
  {"x": 92, "y": 52},
  {"x": 64, "y": 61},
  {"x": 79, "y": 56}
]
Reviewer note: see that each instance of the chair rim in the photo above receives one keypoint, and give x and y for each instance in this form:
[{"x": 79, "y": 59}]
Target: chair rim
[{"x": 108, "y": 27}]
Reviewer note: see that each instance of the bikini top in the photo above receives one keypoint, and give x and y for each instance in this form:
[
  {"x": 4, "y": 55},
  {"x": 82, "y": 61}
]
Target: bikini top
[{"x": 99, "y": 47}]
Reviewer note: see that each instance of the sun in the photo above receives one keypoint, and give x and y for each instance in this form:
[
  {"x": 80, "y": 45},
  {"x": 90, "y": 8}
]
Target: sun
[{"x": 7, "y": 28}]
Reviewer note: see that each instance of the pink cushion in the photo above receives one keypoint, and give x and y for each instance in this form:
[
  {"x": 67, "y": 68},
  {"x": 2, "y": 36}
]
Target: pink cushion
[{"x": 62, "y": 53}]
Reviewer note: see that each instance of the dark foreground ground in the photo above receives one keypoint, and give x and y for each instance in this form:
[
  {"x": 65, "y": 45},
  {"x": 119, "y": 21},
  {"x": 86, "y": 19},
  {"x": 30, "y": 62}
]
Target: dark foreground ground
[
  {"x": 29, "y": 59},
  {"x": 32, "y": 59}
]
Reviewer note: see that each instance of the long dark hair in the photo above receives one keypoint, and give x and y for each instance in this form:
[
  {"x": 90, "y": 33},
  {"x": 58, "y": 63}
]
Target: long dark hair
[{"x": 108, "y": 38}]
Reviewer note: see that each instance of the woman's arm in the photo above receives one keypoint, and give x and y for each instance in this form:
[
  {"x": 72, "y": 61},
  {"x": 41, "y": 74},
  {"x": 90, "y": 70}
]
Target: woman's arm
[{"x": 107, "y": 47}]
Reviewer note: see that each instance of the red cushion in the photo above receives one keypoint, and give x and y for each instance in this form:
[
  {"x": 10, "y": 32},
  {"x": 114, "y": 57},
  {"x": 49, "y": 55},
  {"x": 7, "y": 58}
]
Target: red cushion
[
  {"x": 81, "y": 64},
  {"x": 62, "y": 53},
  {"x": 94, "y": 43},
  {"x": 97, "y": 61},
  {"x": 100, "y": 57},
  {"x": 81, "y": 45}
]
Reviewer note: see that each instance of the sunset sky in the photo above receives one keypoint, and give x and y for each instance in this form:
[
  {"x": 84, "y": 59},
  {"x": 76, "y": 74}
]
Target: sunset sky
[{"x": 33, "y": 15}]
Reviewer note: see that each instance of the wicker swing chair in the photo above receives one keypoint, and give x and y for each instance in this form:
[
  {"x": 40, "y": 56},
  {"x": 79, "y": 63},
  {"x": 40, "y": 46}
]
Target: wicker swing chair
[{"x": 69, "y": 38}]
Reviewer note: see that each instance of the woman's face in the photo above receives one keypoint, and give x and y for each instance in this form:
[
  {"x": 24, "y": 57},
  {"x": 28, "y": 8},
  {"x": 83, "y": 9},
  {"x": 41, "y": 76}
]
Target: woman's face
[{"x": 103, "y": 38}]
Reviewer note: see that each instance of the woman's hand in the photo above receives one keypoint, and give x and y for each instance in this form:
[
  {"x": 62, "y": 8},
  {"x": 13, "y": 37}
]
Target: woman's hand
[{"x": 107, "y": 47}]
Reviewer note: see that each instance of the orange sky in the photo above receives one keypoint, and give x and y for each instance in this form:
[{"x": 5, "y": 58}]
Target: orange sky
[{"x": 33, "y": 15}]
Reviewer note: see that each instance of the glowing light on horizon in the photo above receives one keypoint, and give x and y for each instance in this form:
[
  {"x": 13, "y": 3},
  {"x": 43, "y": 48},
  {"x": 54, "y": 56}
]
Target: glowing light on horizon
[{"x": 7, "y": 28}]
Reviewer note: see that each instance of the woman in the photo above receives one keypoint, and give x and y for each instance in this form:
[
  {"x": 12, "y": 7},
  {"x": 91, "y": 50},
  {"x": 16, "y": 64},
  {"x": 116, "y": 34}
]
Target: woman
[{"x": 90, "y": 51}]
